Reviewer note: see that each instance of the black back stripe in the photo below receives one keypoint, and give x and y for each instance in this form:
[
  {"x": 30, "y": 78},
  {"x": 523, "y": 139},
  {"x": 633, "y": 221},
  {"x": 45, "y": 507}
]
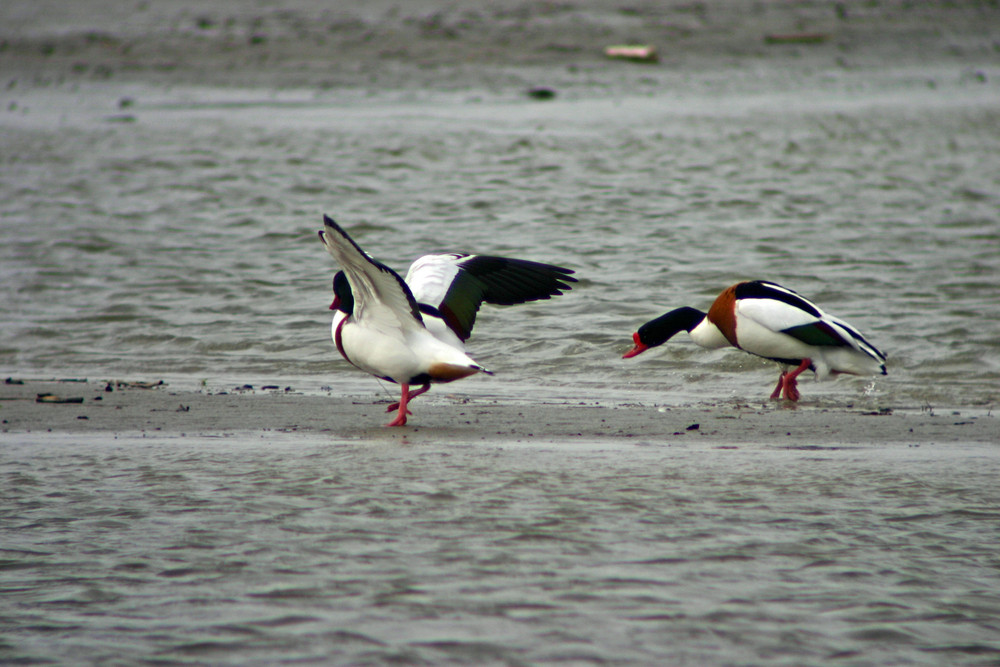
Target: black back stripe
[{"x": 761, "y": 289}]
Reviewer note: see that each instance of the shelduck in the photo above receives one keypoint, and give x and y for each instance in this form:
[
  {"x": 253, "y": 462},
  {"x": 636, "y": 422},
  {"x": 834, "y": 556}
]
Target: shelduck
[
  {"x": 413, "y": 331},
  {"x": 770, "y": 321}
]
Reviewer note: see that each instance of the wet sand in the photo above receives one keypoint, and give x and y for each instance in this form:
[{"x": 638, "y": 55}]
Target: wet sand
[{"x": 109, "y": 407}]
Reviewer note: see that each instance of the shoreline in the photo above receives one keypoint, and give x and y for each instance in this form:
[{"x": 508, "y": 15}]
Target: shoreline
[
  {"x": 308, "y": 44},
  {"x": 157, "y": 409}
]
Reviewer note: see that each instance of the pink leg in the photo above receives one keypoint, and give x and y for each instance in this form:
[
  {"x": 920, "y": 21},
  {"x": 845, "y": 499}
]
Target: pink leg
[
  {"x": 781, "y": 384},
  {"x": 791, "y": 390},
  {"x": 404, "y": 398},
  {"x": 413, "y": 395}
]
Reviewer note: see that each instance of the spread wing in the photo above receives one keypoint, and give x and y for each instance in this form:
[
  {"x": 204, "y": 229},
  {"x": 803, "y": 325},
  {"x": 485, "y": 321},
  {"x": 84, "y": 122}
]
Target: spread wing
[
  {"x": 456, "y": 284},
  {"x": 380, "y": 295}
]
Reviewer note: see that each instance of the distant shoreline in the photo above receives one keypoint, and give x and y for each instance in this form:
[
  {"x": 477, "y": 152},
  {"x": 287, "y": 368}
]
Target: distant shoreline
[{"x": 306, "y": 43}]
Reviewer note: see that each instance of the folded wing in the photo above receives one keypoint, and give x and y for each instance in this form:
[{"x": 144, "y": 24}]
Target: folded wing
[{"x": 783, "y": 311}]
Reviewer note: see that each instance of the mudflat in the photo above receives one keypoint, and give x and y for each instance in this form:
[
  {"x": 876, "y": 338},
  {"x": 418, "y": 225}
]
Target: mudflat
[
  {"x": 476, "y": 44},
  {"x": 37, "y": 407}
]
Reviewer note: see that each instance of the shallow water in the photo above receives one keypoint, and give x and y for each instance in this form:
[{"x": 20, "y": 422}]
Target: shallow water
[
  {"x": 176, "y": 236},
  {"x": 253, "y": 550}
]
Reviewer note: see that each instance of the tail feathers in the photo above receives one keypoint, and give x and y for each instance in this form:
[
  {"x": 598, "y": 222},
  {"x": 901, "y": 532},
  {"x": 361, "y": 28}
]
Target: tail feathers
[{"x": 445, "y": 372}]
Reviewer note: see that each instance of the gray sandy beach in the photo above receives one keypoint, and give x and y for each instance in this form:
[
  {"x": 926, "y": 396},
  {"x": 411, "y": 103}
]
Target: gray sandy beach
[
  {"x": 243, "y": 410},
  {"x": 191, "y": 474}
]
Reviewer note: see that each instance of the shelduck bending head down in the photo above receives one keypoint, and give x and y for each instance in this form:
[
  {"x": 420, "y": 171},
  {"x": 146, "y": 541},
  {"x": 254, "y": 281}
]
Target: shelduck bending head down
[
  {"x": 770, "y": 321},
  {"x": 413, "y": 331}
]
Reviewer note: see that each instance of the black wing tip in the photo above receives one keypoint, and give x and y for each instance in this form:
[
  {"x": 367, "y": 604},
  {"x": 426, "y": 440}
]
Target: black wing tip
[
  {"x": 555, "y": 272},
  {"x": 332, "y": 224},
  {"x": 494, "y": 261},
  {"x": 507, "y": 281},
  {"x": 559, "y": 278},
  {"x": 564, "y": 276},
  {"x": 562, "y": 272}
]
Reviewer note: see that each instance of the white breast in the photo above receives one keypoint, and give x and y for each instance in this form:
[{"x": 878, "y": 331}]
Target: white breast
[{"x": 708, "y": 335}]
